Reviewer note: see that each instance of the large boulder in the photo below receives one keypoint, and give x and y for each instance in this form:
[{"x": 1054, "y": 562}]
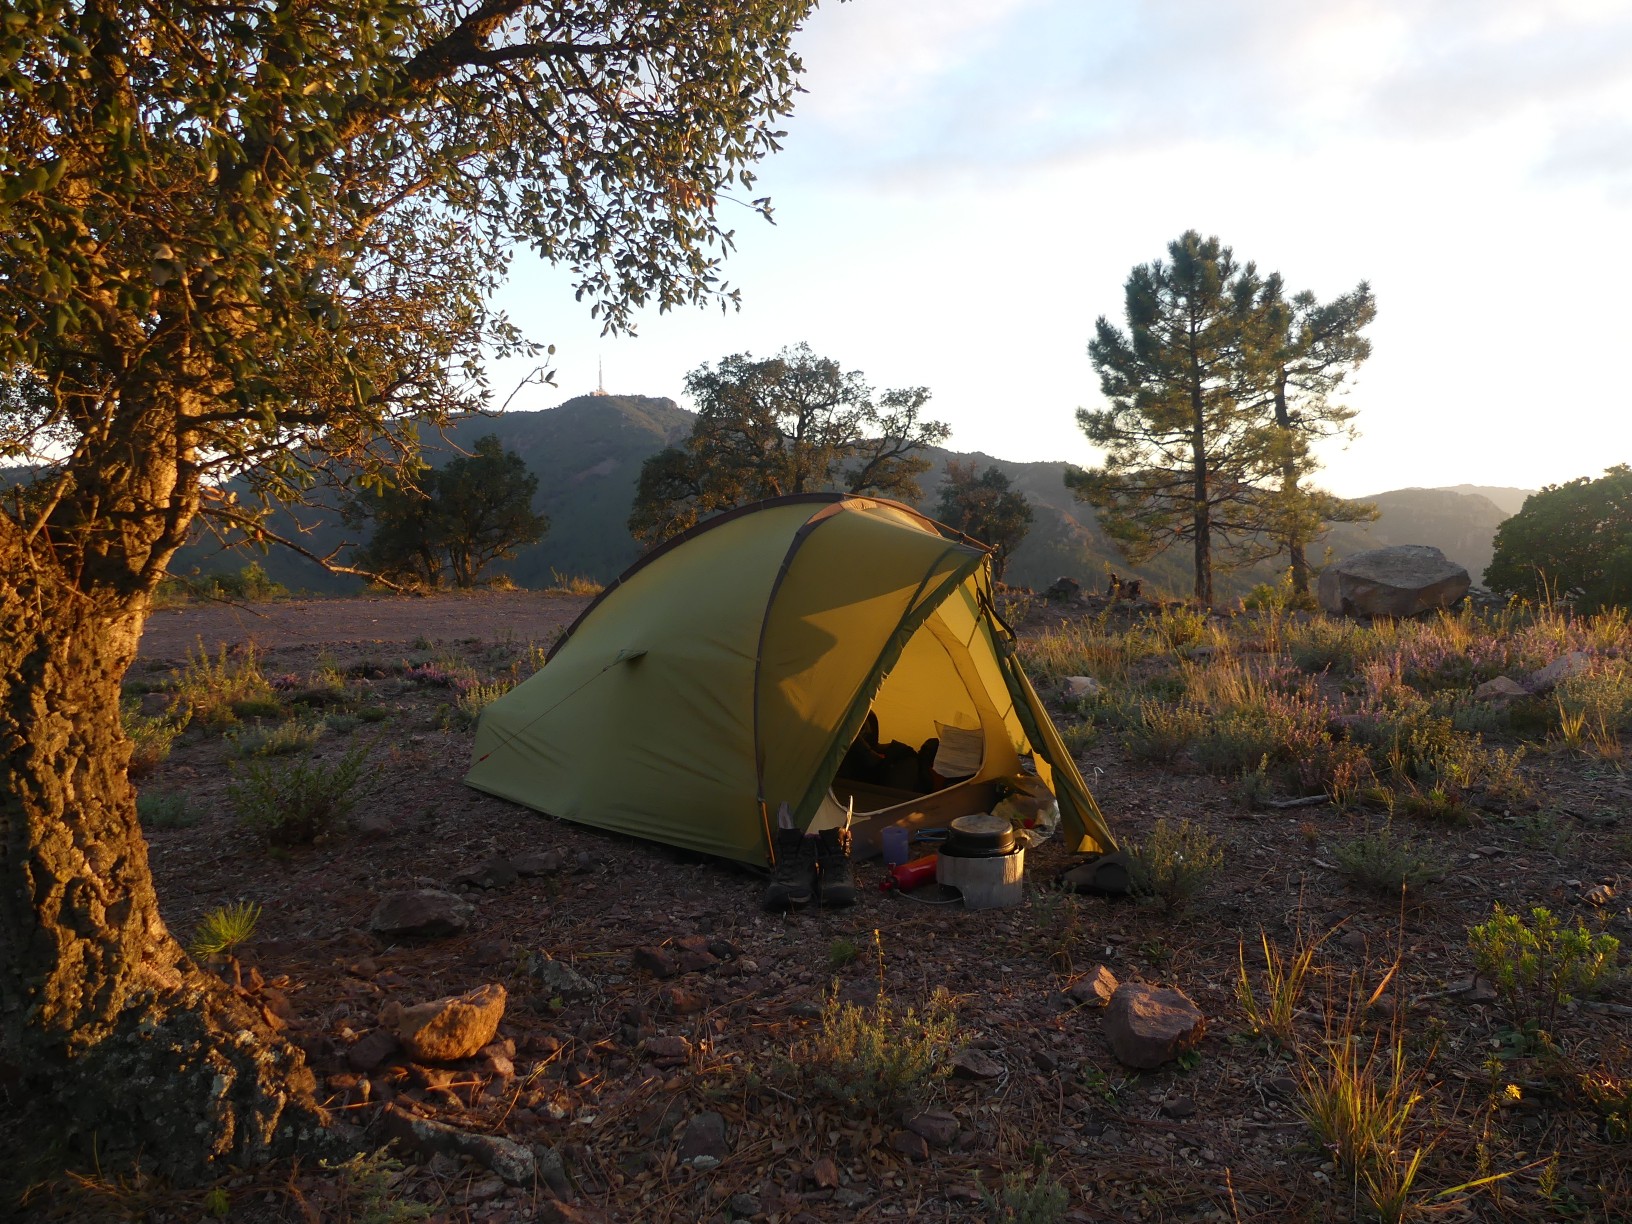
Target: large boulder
[{"x": 1405, "y": 580}]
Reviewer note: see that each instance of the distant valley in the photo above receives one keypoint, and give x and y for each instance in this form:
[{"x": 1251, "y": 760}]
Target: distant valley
[{"x": 587, "y": 454}]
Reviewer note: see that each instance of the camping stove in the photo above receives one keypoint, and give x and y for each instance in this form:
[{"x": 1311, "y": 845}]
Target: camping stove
[{"x": 982, "y": 860}]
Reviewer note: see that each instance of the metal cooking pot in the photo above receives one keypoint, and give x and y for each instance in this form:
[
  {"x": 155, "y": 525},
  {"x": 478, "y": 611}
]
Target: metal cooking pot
[{"x": 979, "y": 836}]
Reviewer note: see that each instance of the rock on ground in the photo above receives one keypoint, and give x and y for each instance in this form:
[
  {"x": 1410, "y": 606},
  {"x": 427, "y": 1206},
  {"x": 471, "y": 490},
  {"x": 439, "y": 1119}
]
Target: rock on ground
[
  {"x": 445, "y": 1030},
  {"x": 423, "y": 911},
  {"x": 1149, "y": 1025},
  {"x": 1405, "y": 580}
]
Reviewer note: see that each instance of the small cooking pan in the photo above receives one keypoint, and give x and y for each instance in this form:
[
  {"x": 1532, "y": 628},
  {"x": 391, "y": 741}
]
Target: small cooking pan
[{"x": 979, "y": 836}]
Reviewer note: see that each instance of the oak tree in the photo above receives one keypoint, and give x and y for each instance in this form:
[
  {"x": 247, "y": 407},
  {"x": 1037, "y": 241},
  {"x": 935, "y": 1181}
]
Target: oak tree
[
  {"x": 793, "y": 423},
  {"x": 1571, "y": 541},
  {"x": 986, "y": 507},
  {"x": 247, "y": 241},
  {"x": 451, "y": 523}
]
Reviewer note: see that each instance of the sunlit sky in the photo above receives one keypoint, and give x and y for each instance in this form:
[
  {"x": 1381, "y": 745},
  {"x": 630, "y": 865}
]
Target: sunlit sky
[{"x": 967, "y": 184}]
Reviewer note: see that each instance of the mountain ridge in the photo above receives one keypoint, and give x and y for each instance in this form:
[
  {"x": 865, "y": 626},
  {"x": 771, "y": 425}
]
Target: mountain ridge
[{"x": 587, "y": 452}]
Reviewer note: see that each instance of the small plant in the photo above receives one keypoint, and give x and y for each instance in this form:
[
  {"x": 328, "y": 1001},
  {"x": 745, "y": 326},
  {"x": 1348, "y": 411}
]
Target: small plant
[
  {"x": 471, "y": 701},
  {"x": 164, "y": 812},
  {"x": 1027, "y": 1198},
  {"x": 1164, "y": 731},
  {"x": 279, "y": 740},
  {"x": 296, "y": 802},
  {"x": 842, "y": 952},
  {"x": 1273, "y": 1015},
  {"x": 368, "y": 1189},
  {"x": 1543, "y": 830},
  {"x": 225, "y": 928},
  {"x": 1539, "y": 966},
  {"x": 1387, "y": 864},
  {"x": 150, "y": 738},
  {"x": 1174, "y": 863},
  {"x": 875, "y": 1060},
  {"x": 1359, "y": 1102},
  {"x": 571, "y": 584},
  {"x": 218, "y": 692}
]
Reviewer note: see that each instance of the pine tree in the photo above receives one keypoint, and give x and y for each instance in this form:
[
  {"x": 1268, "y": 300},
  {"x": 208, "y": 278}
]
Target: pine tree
[
  {"x": 1188, "y": 454},
  {"x": 1309, "y": 350}
]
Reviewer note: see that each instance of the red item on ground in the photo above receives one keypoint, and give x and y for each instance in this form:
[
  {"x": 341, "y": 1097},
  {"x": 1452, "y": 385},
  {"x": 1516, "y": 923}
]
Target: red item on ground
[{"x": 909, "y": 875}]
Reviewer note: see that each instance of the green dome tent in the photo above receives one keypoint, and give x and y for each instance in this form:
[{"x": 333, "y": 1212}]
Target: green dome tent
[{"x": 730, "y": 670}]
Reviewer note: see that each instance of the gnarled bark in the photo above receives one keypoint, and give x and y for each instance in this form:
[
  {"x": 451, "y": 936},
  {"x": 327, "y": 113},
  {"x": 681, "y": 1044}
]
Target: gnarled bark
[{"x": 102, "y": 1011}]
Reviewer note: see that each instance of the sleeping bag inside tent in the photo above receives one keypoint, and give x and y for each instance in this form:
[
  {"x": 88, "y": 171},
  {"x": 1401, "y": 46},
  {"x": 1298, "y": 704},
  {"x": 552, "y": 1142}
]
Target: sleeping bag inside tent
[{"x": 819, "y": 650}]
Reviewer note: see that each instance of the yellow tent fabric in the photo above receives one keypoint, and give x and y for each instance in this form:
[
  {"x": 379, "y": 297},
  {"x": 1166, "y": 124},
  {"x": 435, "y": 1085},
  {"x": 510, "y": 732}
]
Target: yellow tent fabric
[{"x": 728, "y": 671}]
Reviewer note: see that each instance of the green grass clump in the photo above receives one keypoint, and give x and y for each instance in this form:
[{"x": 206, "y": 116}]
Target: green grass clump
[
  {"x": 151, "y": 739},
  {"x": 1027, "y": 1198},
  {"x": 1174, "y": 863},
  {"x": 164, "y": 812},
  {"x": 218, "y": 692},
  {"x": 295, "y": 802},
  {"x": 1540, "y": 965},
  {"x": 469, "y": 703},
  {"x": 873, "y": 1061},
  {"x": 1387, "y": 864},
  {"x": 225, "y": 928},
  {"x": 281, "y": 739}
]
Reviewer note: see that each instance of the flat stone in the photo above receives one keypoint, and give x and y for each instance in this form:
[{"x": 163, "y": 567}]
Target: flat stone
[
  {"x": 668, "y": 1047},
  {"x": 372, "y": 1049},
  {"x": 742, "y": 1204},
  {"x": 704, "y": 1137},
  {"x": 495, "y": 872},
  {"x": 937, "y": 1126},
  {"x": 427, "y": 912},
  {"x": 680, "y": 1001},
  {"x": 1078, "y": 687},
  {"x": 1178, "y": 1107},
  {"x": 1149, "y": 1025},
  {"x": 445, "y": 1030},
  {"x": 1500, "y": 690},
  {"x": 557, "y": 978},
  {"x": 911, "y": 1145},
  {"x": 538, "y": 862},
  {"x": 1095, "y": 988},
  {"x": 655, "y": 961},
  {"x": 975, "y": 1065},
  {"x": 1562, "y": 668}
]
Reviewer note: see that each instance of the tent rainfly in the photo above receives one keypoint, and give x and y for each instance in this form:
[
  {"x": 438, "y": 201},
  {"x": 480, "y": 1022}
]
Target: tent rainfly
[{"x": 729, "y": 671}]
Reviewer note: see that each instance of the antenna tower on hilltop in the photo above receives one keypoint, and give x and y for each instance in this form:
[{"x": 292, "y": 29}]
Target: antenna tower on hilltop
[{"x": 600, "y": 376}]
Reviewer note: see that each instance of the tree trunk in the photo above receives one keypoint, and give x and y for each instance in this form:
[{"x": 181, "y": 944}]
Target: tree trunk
[
  {"x": 1201, "y": 522},
  {"x": 111, "y": 1025},
  {"x": 1289, "y": 488}
]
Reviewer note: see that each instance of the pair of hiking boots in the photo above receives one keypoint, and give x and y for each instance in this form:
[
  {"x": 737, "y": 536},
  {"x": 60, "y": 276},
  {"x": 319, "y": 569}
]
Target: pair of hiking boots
[{"x": 811, "y": 869}]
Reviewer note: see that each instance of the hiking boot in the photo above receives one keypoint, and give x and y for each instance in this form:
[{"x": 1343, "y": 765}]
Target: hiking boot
[
  {"x": 793, "y": 878},
  {"x": 835, "y": 877}
]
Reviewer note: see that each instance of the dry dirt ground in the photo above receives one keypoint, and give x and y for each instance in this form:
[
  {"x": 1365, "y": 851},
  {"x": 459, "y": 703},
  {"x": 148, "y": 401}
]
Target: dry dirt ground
[{"x": 608, "y": 1076}]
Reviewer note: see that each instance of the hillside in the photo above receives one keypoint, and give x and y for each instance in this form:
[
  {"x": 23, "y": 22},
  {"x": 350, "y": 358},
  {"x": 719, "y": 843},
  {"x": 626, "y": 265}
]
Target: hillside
[{"x": 587, "y": 454}]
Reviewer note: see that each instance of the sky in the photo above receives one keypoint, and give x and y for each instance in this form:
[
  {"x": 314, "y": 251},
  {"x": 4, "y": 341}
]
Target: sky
[{"x": 967, "y": 184}]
